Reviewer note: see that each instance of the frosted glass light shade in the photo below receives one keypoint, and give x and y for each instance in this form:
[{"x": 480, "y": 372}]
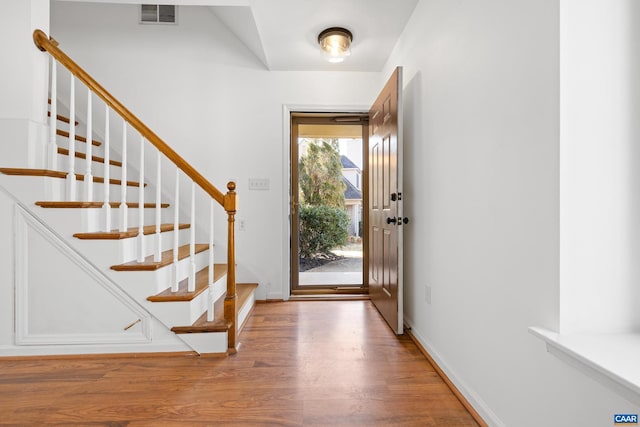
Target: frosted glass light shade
[{"x": 335, "y": 43}]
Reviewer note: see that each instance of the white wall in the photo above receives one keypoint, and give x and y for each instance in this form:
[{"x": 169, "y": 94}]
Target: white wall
[
  {"x": 600, "y": 103},
  {"x": 201, "y": 90},
  {"x": 22, "y": 86},
  {"x": 482, "y": 171}
]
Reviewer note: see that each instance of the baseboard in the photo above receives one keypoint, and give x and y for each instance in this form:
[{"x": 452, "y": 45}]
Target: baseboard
[
  {"x": 329, "y": 297},
  {"x": 99, "y": 356},
  {"x": 468, "y": 398}
]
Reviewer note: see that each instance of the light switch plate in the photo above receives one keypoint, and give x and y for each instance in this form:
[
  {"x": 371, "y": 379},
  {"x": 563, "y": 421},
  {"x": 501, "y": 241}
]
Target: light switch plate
[{"x": 258, "y": 183}]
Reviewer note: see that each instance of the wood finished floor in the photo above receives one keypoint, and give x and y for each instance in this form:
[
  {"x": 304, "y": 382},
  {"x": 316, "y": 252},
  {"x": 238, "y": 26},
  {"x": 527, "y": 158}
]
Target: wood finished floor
[{"x": 308, "y": 363}]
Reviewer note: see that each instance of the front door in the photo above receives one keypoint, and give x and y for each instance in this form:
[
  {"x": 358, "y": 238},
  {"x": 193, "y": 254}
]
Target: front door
[{"x": 385, "y": 198}]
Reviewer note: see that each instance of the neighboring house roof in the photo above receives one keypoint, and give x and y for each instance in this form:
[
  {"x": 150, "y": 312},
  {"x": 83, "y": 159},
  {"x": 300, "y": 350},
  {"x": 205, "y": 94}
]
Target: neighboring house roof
[
  {"x": 351, "y": 192},
  {"x": 347, "y": 163}
]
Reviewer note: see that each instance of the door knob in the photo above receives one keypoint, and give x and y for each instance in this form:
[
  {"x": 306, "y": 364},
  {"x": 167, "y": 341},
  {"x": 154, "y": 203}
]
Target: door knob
[{"x": 391, "y": 220}]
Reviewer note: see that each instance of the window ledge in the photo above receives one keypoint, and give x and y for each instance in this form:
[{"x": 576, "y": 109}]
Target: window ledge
[{"x": 611, "y": 359}]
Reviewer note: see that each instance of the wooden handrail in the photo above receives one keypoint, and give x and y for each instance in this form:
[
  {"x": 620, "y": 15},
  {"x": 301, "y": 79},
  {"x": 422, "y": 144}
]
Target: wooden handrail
[{"x": 44, "y": 44}]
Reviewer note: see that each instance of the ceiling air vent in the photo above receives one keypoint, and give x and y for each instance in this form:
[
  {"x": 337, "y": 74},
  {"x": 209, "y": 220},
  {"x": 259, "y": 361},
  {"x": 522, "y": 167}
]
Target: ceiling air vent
[{"x": 157, "y": 14}]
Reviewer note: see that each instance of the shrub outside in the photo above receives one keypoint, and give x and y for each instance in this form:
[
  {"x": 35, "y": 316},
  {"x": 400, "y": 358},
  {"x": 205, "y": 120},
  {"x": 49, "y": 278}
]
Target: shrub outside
[{"x": 322, "y": 228}]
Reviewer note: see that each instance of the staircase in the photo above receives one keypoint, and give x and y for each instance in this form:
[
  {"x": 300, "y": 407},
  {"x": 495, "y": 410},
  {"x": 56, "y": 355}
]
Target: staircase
[{"x": 130, "y": 232}]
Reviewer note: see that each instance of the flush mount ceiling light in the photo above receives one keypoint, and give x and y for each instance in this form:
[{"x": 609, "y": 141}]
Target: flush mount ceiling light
[{"x": 335, "y": 43}]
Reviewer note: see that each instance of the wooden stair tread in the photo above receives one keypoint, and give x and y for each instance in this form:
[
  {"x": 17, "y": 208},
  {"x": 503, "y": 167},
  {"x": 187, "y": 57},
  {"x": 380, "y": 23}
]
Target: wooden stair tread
[
  {"x": 243, "y": 291},
  {"x": 100, "y": 180},
  {"x": 202, "y": 326},
  {"x": 33, "y": 172},
  {"x": 60, "y": 174},
  {"x": 84, "y": 205},
  {"x": 62, "y": 118},
  {"x": 202, "y": 284},
  {"x": 167, "y": 258},
  {"x": 131, "y": 232},
  {"x": 96, "y": 159},
  {"x": 79, "y": 138}
]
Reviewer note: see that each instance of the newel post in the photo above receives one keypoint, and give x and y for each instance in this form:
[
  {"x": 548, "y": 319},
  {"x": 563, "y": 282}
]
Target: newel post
[{"x": 230, "y": 313}]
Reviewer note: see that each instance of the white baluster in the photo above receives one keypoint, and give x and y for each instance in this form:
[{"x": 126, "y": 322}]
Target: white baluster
[
  {"x": 158, "y": 255},
  {"x": 71, "y": 175},
  {"x": 176, "y": 238},
  {"x": 88, "y": 177},
  {"x": 124, "y": 215},
  {"x": 106, "y": 207},
  {"x": 192, "y": 243},
  {"x": 141, "y": 205},
  {"x": 211, "y": 269},
  {"x": 52, "y": 148}
]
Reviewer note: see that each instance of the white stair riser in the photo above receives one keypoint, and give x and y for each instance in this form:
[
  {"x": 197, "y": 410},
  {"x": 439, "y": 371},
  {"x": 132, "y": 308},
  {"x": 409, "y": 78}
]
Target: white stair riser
[
  {"x": 220, "y": 288},
  {"x": 96, "y": 150},
  {"x": 210, "y": 342},
  {"x": 184, "y": 313},
  {"x": 97, "y": 168},
  {"x": 112, "y": 252},
  {"x": 114, "y": 193},
  {"x": 71, "y": 221},
  {"x": 80, "y": 128},
  {"x": 64, "y": 125},
  {"x": 246, "y": 309},
  {"x": 33, "y": 188},
  {"x": 142, "y": 284}
]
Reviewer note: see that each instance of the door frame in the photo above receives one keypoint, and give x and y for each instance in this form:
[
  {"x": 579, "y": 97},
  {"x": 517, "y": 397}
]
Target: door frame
[{"x": 288, "y": 259}]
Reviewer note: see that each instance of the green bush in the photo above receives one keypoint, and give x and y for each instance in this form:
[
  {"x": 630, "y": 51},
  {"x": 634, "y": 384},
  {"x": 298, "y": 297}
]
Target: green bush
[{"x": 322, "y": 228}]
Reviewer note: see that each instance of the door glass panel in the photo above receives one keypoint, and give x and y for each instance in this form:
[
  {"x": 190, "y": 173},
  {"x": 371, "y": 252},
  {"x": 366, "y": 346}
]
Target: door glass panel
[{"x": 330, "y": 160}]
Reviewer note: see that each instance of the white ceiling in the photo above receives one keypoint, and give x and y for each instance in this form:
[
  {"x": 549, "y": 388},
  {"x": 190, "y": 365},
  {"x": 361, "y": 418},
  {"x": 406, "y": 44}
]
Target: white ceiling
[{"x": 283, "y": 34}]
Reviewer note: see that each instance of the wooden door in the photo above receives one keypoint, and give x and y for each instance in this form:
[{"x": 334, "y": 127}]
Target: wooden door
[{"x": 385, "y": 199}]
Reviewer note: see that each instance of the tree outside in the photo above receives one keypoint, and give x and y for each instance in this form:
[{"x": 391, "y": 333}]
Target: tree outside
[
  {"x": 322, "y": 217},
  {"x": 320, "y": 174}
]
